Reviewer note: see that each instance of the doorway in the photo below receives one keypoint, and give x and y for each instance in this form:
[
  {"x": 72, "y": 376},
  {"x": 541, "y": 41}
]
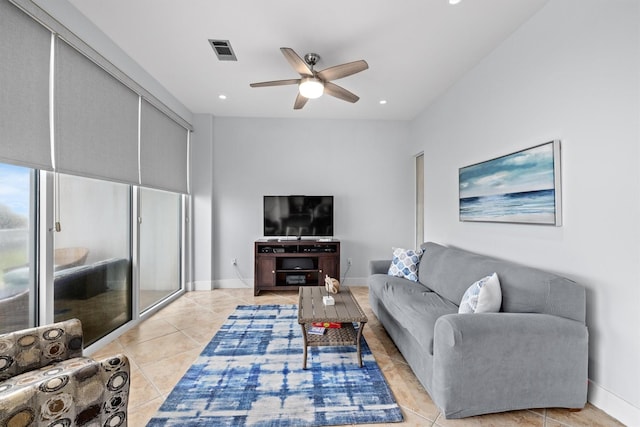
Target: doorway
[{"x": 419, "y": 199}]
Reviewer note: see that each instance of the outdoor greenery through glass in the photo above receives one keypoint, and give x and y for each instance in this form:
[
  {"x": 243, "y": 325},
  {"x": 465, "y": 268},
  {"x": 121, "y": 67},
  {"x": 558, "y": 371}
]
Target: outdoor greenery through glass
[{"x": 17, "y": 246}]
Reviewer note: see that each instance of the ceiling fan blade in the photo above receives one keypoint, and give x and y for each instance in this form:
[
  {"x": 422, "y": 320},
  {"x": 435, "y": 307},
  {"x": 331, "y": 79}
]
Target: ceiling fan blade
[
  {"x": 296, "y": 62},
  {"x": 276, "y": 83},
  {"x": 344, "y": 70},
  {"x": 340, "y": 92},
  {"x": 300, "y": 102}
]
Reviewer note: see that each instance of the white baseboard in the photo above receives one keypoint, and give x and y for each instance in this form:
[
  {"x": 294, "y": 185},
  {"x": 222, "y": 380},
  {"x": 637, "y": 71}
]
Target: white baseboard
[
  {"x": 208, "y": 285},
  {"x": 613, "y": 405},
  {"x": 201, "y": 285},
  {"x": 233, "y": 283}
]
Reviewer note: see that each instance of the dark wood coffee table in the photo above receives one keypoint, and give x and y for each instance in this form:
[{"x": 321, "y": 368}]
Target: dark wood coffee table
[{"x": 346, "y": 311}]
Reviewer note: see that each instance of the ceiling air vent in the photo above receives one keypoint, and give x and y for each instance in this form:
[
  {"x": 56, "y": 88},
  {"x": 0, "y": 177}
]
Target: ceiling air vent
[{"x": 223, "y": 50}]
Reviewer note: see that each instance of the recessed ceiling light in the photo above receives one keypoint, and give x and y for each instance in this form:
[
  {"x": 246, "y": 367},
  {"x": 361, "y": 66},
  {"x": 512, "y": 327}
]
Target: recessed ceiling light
[
  {"x": 454, "y": 1},
  {"x": 383, "y": 101},
  {"x": 222, "y": 96}
]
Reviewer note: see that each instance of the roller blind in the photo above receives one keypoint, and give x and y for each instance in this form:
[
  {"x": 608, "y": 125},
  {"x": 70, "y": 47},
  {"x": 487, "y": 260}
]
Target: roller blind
[
  {"x": 163, "y": 151},
  {"x": 25, "y": 48},
  {"x": 96, "y": 120}
]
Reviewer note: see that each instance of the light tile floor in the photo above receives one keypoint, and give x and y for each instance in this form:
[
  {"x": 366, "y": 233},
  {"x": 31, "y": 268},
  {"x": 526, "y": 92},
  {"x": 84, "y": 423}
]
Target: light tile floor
[{"x": 162, "y": 348}]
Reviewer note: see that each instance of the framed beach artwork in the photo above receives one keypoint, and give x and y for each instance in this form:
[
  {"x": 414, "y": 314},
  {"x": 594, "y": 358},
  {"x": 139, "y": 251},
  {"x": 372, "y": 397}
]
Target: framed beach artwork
[{"x": 522, "y": 187}]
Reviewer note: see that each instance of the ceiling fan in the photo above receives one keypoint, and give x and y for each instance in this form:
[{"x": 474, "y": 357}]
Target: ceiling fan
[{"x": 312, "y": 84}]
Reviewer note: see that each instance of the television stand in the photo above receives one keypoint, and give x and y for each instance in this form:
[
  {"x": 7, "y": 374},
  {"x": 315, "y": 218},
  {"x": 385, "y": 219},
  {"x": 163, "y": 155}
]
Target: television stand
[{"x": 285, "y": 265}]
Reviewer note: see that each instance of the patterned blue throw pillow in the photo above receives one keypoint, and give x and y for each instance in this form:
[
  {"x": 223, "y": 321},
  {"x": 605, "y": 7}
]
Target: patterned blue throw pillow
[{"x": 405, "y": 263}]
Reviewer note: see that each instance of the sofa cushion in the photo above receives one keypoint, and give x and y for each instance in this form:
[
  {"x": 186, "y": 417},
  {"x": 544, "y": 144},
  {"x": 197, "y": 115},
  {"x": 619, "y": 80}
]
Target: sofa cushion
[
  {"x": 378, "y": 284},
  {"x": 412, "y": 305},
  {"x": 484, "y": 296},
  {"x": 405, "y": 263}
]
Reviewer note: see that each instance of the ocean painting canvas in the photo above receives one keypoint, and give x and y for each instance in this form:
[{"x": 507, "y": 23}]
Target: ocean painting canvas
[{"x": 522, "y": 187}]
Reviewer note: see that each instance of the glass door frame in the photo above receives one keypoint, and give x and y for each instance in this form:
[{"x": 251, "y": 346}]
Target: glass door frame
[
  {"x": 184, "y": 255},
  {"x": 45, "y": 247}
]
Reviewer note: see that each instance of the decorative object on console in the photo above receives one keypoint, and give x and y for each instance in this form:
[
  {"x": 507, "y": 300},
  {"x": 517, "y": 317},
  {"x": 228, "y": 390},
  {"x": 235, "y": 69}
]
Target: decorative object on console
[
  {"x": 331, "y": 285},
  {"x": 484, "y": 296},
  {"x": 522, "y": 187},
  {"x": 405, "y": 263}
]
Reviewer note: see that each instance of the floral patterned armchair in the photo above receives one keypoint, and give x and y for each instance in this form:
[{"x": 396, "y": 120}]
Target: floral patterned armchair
[{"x": 45, "y": 381}]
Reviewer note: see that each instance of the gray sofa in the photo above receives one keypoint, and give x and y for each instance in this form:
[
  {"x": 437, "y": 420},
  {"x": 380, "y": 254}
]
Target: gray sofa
[{"x": 532, "y": 354}]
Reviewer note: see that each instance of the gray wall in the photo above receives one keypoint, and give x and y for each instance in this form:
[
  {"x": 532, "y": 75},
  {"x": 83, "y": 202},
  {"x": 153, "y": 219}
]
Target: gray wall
[
  {"x": 202, "y": 200},
  {"x": 365, "y": 165},
  {"x": 571, "y": 73}
]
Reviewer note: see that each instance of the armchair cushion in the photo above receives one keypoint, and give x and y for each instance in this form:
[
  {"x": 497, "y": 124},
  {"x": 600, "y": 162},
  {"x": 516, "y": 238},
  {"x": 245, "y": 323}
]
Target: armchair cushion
[{"x": 44, "y": 380}]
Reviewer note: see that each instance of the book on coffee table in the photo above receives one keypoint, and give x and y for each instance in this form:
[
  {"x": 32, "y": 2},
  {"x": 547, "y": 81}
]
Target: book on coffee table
[
  {"x": 331, "y": 325},
  {"x": 316, "y": 330}
]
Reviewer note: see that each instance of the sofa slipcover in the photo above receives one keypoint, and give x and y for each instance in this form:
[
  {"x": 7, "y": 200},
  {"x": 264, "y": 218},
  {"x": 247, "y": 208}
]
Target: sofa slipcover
[{"x": 531, "y": 354}]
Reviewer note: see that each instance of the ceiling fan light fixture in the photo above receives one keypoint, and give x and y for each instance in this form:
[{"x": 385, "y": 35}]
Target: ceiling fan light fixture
[
  {"x": 311, "y": 87},
  {"x": 312, "y": 84}
]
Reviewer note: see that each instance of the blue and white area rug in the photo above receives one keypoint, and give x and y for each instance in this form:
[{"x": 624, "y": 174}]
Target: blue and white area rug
[{"x": 250, "y": 374}]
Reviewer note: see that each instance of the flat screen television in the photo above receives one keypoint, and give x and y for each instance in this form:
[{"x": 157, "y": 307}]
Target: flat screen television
[{"x": 298, "y": 216}]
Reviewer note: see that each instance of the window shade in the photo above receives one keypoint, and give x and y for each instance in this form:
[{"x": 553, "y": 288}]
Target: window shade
[
  {"x": 25, "y": 48},
  {"x": 96, "y": 120},
  {"x": 163, "y": 151}
]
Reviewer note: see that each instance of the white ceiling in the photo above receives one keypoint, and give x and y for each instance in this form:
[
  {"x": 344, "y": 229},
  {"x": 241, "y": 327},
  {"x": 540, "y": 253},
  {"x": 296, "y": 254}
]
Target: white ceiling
[{"x": 416, "y": 49}]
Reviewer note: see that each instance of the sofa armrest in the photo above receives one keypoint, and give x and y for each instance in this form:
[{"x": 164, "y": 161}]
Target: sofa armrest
[
  {"x": 379, "y": 266},
  {"x": 480, "y": 359}
]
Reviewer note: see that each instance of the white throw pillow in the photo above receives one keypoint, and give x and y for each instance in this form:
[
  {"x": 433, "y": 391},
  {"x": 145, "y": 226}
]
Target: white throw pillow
[
  {"x": 484, "y": 296},
  {"x": 405, "y": 263}
]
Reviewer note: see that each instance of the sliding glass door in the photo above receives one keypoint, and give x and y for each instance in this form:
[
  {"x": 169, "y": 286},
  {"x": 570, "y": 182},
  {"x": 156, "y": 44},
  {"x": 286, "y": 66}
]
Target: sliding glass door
[
  {"x": 93, "y": 276},
  {"x": 160, "y": 243},
  {"x": 92, "y": 254}
]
